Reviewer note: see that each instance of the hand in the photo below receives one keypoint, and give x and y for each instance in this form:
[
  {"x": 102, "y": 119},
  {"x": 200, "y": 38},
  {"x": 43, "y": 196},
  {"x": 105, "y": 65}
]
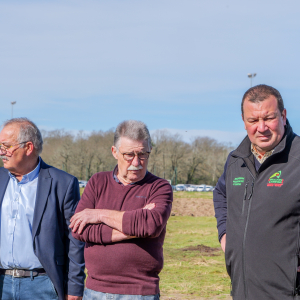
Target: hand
[
  {"x": 81, "y": 219},
  {"x": 149, "y": 206},
  {"x": 70, "y": 297},
  {"x": 223, "y": 242}
]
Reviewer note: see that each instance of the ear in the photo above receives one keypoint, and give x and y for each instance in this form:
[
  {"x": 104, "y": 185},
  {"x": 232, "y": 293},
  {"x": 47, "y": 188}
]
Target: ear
[
  {"x": 114, "y": 152},
  {"x": 29, "y": 148},
  {"x": 283, "y": 114},
  {"x": 244, "y": 122}
]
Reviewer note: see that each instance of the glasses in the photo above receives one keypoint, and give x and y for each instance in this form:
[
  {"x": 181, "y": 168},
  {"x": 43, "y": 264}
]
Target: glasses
[
  {"x": 4, "y": 148},
  {"x": 141, "y": 155}
]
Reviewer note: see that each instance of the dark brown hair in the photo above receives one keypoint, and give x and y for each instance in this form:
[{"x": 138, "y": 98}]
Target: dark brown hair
[{"x": 260, "y": 93}]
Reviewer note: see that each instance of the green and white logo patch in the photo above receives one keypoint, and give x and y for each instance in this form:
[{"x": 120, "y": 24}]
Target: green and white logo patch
[{"x": 238, "y": 181}]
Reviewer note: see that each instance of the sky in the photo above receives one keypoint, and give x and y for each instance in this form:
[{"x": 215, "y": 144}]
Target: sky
[{"x": 176, "y": 65}]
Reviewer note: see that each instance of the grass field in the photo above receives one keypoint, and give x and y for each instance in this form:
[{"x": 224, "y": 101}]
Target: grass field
[
  {"x": 192, "y": 272},
  {"x": 203, "y": 195}
]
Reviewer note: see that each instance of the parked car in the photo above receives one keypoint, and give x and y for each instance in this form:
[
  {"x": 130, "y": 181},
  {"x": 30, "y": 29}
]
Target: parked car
[
  {"x": 191, "y": 188},
  {"x": 180, "y": 187},
  {"x": 209, "y": 188},
  {"x": 82, "y": 183},
  {"x": 201, "y": 188}
]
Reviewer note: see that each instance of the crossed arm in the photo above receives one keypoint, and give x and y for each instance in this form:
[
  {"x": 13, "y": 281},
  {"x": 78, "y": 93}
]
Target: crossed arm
[
  {"x": 111, "y": 218},
  {"x": 94, "y": 223}
]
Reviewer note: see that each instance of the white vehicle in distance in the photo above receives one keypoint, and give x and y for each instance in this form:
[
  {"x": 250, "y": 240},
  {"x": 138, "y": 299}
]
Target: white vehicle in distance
[
  {"x": 201, "y": 188},
  {"x": 180, "y": 187},
  {"x": 191, "y": 188},
  {"x": 209, "y": 188},
  {"x": 82, "y": 183}
]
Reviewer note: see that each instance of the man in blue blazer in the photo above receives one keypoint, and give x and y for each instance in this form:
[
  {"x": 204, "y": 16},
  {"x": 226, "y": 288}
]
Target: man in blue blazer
[{"x": 39, "y": 258}]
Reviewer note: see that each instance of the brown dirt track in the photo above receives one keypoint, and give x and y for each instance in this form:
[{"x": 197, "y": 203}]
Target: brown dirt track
[{"x": 197, "y": 207}]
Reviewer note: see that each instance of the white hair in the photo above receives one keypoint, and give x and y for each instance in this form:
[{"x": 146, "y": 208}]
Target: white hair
[
  {"x": 134, "y": 130},
  {"x": 29, "y": 132}
]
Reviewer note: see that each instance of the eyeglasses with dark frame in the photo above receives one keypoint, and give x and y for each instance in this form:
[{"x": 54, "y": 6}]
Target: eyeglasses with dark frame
[
  {"x": 4, "y": 148},
  {"x": 130, "y": 156}
]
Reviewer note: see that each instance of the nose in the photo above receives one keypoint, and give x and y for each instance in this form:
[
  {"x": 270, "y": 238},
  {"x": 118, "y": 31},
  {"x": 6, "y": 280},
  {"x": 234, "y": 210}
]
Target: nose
[
  {"x": 262, "y": 127},
  {"x": 136, "y": 161}
]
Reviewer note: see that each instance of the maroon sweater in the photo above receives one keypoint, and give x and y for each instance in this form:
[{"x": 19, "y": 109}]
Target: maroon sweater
[{"x": 132, "y": 266}]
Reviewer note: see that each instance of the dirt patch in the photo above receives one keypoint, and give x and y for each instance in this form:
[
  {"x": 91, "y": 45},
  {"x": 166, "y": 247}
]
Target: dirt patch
[
  {"x": 205, "y": 250},
  {"x": 196, "y": 207}
]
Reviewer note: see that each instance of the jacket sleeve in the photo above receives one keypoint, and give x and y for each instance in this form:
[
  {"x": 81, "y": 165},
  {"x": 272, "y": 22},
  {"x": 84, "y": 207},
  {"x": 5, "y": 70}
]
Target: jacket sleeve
[
  {"x": 150, "y": 223},
  {"x": 74, "y": 248},
  {"x": 220, "y": 202}
]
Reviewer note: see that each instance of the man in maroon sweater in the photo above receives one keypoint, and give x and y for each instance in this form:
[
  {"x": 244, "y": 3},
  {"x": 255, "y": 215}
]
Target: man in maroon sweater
[{"x": 122, "y": 217}]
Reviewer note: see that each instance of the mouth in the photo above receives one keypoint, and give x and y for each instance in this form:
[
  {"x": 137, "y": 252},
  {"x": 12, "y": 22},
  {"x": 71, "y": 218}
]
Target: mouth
[{"x": 265, "y": 137}]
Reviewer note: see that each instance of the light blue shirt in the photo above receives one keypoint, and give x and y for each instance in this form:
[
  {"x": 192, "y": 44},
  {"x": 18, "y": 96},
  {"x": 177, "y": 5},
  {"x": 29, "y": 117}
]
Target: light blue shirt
[{"x": 16, "y": 245}]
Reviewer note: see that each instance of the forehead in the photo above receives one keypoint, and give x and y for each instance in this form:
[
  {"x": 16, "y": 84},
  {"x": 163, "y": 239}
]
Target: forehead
[
  {"x": 128, "y": 145},
  {"x": 9, "y": 133},
  {"x": 265, "y": 107}
]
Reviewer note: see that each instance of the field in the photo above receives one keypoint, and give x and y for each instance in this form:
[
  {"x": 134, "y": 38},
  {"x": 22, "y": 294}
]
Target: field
[
  {"x": 194, "y": 266},
  {"x": 194, "y": 262}
]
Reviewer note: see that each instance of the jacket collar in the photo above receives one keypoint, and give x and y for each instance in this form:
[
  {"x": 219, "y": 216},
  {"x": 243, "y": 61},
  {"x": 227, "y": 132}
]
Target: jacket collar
[{"x": 42, "y": 193}]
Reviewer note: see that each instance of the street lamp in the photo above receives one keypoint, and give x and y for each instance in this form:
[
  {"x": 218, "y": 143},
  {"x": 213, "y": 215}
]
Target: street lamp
[
  {"x": 251, "y": 75},
  {"x": 12, "y": 108}
]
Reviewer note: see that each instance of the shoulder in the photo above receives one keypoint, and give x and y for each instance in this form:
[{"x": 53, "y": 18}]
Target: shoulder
[
  {"x": 3, "y": 171},
  {"x": 100, "y": 179},
  {"x": 295, "y": 147},
  {"x": 156, "y": 182},
  {"x": 56, "y": 174},
  {"x": 231, "y": 159}
]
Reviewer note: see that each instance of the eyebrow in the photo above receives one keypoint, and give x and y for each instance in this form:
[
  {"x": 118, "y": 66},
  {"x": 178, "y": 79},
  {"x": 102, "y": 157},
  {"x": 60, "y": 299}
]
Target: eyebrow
[{"x": 266, "y": 116}]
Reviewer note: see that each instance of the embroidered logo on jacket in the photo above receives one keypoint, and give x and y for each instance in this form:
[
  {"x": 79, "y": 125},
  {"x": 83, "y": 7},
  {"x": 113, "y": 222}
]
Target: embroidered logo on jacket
[
  {"x": 238, "y": 181},
  {"x": 275, "y": 180}
]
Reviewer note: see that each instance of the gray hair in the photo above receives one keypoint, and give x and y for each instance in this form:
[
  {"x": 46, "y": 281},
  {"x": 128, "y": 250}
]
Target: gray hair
[
  {"x": 28, "y": 133},
  {"x": 134, "y": 130}
]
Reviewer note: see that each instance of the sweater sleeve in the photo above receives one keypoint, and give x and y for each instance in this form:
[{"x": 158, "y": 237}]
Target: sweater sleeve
[
  {"x": 150, "y": 223},
  {"x": 220, "y": 202},
  {"x": 92, "y": 233}
]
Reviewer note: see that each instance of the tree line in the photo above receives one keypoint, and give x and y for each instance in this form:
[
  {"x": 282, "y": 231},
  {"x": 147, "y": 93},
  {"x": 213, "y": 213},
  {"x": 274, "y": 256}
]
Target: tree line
[{"x": 82, "y": 155}]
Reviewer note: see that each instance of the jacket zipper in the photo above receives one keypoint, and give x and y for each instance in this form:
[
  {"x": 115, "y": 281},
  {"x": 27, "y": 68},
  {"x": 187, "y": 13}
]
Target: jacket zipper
[
  {"x": 245, "y": 232},
  {"x": 245, "y": 197}
]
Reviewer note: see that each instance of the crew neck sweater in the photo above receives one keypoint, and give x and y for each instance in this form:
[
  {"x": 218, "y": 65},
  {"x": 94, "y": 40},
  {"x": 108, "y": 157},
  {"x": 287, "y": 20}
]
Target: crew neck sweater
[{"x": 129, "y": 267}]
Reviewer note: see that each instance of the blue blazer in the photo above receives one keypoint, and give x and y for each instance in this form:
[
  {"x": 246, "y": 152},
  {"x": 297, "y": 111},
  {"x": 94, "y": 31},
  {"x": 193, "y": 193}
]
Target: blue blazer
[{"x": 59, "y": 253}]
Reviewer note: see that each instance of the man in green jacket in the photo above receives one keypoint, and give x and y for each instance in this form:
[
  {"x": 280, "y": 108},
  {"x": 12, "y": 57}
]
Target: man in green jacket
[{"x": 257, "y": 202}]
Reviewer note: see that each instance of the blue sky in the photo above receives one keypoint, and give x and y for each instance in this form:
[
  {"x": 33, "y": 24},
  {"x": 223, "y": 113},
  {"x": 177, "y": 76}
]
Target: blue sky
[{"x": 177, "y": 65}]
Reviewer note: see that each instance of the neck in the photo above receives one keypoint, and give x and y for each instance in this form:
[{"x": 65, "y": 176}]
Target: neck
[
  {"x": 29, "y": 167},
  {"x": 260, "y": 151}
]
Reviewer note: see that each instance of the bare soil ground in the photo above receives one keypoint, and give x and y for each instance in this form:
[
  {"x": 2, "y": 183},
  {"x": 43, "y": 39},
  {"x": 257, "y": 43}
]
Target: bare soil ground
[
  {"x": 197, "y": 207},
  {"x": 207, "y": 251}
]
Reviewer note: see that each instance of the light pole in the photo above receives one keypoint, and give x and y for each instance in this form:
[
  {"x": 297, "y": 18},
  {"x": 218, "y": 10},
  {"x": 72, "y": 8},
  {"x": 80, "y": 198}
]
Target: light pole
[
  {"x": 251, "y": 75},
  {"x": 12, "y": 108}
]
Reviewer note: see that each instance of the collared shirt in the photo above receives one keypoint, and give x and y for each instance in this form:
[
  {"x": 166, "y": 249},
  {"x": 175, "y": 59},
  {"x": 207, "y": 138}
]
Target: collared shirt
[
  {"x": 261, "y": 158},
  {"x": 115, "y": 172},
  {"x": 16, "y": 248}
]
